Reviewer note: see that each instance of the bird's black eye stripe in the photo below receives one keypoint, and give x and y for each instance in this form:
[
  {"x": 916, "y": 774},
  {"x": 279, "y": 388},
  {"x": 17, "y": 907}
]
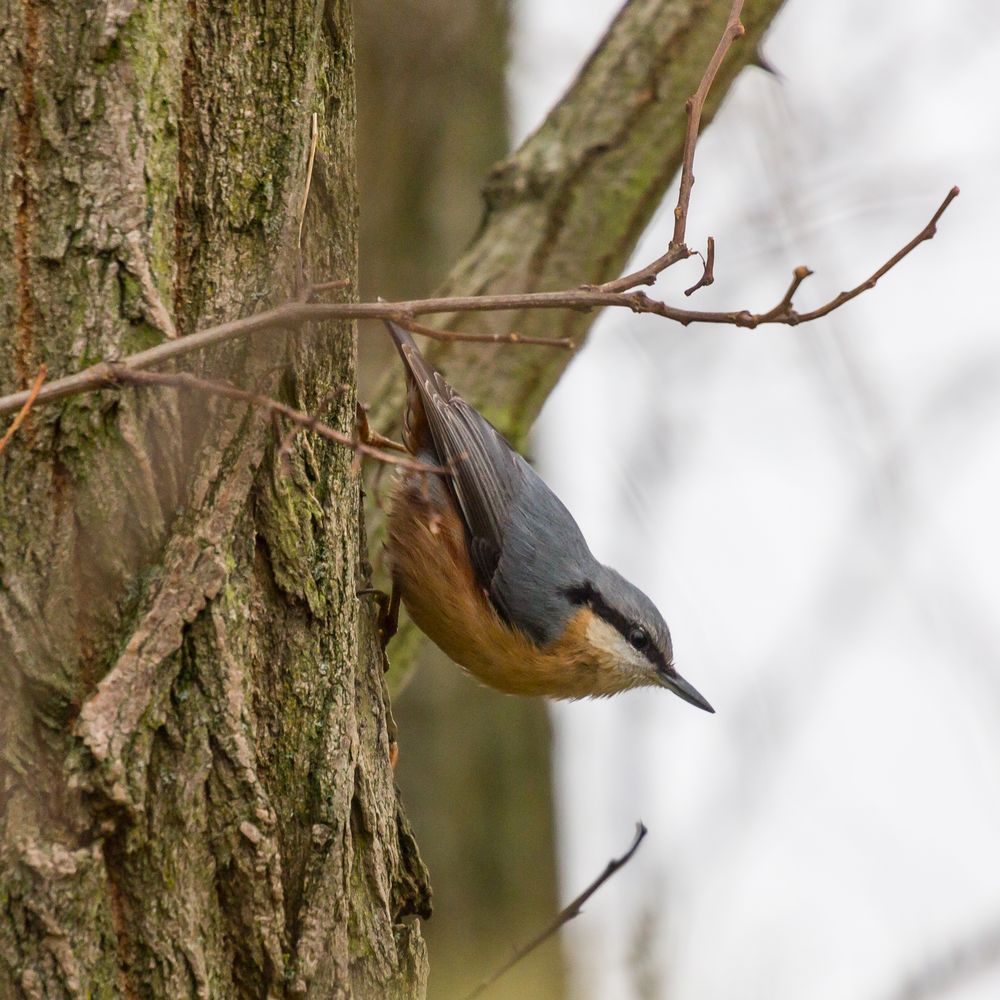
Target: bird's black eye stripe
[
  {"x": 582, "y": 593},
  {"x": 633, "y": 633}
]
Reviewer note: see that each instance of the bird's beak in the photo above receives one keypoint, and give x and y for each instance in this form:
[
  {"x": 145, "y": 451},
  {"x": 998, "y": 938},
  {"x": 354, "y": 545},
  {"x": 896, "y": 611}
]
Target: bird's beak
[{"x": 673, "y": 681}]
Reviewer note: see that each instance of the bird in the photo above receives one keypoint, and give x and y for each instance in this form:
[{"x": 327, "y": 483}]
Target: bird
[{"x": 493, "y": 568}]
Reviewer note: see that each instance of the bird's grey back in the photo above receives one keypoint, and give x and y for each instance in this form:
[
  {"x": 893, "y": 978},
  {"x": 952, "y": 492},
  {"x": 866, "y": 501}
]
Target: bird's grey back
[
  {"x": 544, "y": 557},
  {"x": 546, "y": 572}
]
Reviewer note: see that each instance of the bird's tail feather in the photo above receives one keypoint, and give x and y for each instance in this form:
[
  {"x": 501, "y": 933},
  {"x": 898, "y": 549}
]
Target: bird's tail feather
[{"x": 417, "y": 366}]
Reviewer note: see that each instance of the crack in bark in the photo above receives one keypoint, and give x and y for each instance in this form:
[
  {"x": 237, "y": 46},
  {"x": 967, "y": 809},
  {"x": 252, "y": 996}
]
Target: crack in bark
[
  {"x": 183, "y": 199},
  {"x": 111, "y": 849},
  {"x": 27, "y": 113}
]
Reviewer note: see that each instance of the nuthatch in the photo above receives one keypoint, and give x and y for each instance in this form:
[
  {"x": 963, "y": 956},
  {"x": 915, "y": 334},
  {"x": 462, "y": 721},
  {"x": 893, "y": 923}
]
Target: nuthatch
[{"x": 493, "y": 568}]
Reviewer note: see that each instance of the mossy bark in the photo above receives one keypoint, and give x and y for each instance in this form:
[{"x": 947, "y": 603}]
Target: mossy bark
[{"x": 195, "y": 796}]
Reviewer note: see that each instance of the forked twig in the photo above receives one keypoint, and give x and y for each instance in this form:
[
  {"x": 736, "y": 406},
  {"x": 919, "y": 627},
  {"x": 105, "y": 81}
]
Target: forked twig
[
  {"x": 707, "y": 271},
  {"x": 678, "y": 250}
]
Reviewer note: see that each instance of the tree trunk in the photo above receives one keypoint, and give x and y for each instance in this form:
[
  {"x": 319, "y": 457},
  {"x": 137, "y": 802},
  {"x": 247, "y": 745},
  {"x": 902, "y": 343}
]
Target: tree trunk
[{"x": 196, "y": 797}]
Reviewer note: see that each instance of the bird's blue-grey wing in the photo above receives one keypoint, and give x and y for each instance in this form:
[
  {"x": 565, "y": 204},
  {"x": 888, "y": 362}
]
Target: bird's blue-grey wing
[
  {"x": 486, "y": 476},
  {"x": 526, "y": 549},
  {"x": 523, "y": 543}
]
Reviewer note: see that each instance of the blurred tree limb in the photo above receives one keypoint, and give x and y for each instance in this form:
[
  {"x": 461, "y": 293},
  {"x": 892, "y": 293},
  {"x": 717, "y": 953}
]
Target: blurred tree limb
[
  {"x": 953, "y": 967},
  {"x": 568, "y": 206}
]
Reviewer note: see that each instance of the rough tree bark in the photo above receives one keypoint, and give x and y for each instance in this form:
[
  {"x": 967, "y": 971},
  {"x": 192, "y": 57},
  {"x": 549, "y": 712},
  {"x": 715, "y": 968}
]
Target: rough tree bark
[{"x": 196, "y": 799}]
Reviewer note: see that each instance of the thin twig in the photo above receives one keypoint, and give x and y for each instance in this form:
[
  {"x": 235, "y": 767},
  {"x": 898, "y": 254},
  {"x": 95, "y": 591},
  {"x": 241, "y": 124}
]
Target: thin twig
[
  {"x": 565, "y": 915},
  {"x": 370, "y": 436},
  {"x": 329, "y": 286},
  {"x": 27, "y": 405},
  {"x": 646, "y": 275},
  {"x": 293, "y": 314},
  {"x": 678, "y": 250},
  {"x": 313, "y": 141},
  {"x": 695, "y": 107},
  {"x": 784, "y": 307},
  {"x": 118, "y": 375},
  {"x": 927, "y": 233},
  {"x": 707, "y": 271},
  {"x": 487, "y": 338}
]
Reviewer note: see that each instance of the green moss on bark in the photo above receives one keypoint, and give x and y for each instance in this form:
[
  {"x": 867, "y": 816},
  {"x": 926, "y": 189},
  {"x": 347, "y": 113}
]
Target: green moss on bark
[{"x": 189, "y": 699}]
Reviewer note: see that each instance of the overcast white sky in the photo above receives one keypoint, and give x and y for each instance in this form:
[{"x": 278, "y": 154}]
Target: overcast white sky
[{"x": 815, "y": 510}]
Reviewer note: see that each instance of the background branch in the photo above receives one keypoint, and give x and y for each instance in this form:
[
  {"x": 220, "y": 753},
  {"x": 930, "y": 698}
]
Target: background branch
[{"x": 960, "y": 963}]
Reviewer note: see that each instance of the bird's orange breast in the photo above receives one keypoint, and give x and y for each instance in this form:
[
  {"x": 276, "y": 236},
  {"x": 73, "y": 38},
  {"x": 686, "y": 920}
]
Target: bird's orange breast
[{"x": 431, "y": 568}]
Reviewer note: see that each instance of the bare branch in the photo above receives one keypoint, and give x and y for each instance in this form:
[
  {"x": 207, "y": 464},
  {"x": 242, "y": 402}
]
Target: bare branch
[
  {"x": 118, "y": 375},
  {"x": 784, "y": 307},
  {"x": 23, "y": 412},
  {"x": 407, "y": 320},
  {"x": 294, "y": 314},
  {"x": 646, "y": 275},
  {"x": 370, "y": 436},
  {"x": 330, "y": 286},
  {"x": 927, "y": 233},
  {"x": 304, "y": 309},
  {"x": 695, "y": 106},
  {"x": 565, "y": 915}
]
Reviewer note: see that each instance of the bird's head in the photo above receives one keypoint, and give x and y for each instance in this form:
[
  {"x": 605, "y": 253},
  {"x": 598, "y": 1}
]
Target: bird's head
[{"x": 628, "y": 632}]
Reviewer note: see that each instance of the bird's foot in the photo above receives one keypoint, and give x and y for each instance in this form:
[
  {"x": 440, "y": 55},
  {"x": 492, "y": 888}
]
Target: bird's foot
[{"x": 387, "y": 619}]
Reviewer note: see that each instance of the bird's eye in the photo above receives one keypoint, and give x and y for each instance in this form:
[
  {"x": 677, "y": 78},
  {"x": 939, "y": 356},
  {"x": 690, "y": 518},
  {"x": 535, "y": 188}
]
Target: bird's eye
[{"x": 638, "y": 637}]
